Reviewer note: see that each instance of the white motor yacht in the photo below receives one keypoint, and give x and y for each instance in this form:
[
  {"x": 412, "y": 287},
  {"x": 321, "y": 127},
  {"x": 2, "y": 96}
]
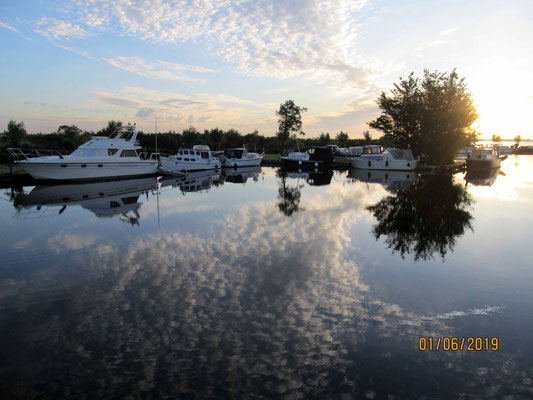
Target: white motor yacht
[
  {"x": 199, "y": 158},
  {"x": 99, "y": 158},
  {"x": 240, "y": 157},
  {"x": 390, "y": 159}
]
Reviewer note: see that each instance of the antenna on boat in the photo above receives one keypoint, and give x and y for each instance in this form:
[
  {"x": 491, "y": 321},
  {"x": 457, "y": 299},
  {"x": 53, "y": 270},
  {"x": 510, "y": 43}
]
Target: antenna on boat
[{"x": 156, "y": 150}]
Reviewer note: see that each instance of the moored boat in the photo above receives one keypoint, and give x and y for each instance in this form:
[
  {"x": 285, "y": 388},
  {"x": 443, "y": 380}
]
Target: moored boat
[
  {"x": 484, "y": 157},
  {"x": 240, "y": 157},
  {"x": 199, "y": 158},
  {"x": 390, "y": 159},
  {"x": 99, "y": 158},
  {"x": 312, "y": 158}
]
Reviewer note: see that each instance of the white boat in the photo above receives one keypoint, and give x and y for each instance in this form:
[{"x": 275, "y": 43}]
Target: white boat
[
  {"x": 240, "y": 157},
  {"x": 464, "y": 153},
  {"x": 504, "y": 150},
  {"x": 314, "y": 157},
  {"x": 199, "y": 158},
  {"x": 484, "y": 157},
  {"x": 390, "y": 159},
  {"x": 99, "y": 158}
]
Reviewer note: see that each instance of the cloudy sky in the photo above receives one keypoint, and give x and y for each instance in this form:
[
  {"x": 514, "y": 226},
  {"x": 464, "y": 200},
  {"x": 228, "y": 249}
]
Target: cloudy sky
[{"x": 229, "y": 64}]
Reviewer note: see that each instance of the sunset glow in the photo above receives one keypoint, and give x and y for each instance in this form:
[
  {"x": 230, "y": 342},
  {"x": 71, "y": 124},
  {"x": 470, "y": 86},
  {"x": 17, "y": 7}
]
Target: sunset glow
[{"x": 230, "y": 65}]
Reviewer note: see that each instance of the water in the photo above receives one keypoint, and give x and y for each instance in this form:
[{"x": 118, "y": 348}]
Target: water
[{"x": 268, "y": 285}]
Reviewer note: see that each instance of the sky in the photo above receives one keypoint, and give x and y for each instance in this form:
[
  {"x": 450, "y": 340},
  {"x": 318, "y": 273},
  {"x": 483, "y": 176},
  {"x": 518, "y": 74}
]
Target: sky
[{"x": 230, "y": 64}]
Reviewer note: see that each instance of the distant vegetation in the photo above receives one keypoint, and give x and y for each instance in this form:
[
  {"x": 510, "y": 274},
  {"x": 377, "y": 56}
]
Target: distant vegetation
[
  {"x": 433, "y": 116},
  {"x": 69, "y": 137}
]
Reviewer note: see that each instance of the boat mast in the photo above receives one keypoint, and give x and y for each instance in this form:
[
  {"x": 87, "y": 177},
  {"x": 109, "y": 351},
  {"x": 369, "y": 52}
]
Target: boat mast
[{"x": 156, "y": 150}]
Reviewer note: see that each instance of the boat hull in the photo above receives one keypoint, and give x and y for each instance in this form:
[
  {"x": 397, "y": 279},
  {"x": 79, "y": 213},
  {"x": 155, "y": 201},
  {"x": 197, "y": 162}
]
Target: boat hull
[
  {"x": 483, "y": 164},
  {"x": 66, "y": 170},
  {"x": 301, "y": 163},
  {"x": 173, "y": 166},
  {"x": 236, "y": 163},
  {"x": 381, "y": 164}
]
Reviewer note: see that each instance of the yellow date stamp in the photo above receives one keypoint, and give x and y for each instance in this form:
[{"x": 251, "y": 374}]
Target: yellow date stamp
[{"x": 458, "y": 344}]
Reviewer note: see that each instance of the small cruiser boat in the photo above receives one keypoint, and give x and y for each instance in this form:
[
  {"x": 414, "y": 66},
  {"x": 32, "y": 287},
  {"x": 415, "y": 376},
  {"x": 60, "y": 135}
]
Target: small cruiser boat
[
  {"x": 374, "y": 157},
  {"x": 484, "y": 157},
  {"x": 240, "y": 157},
  {"x": 241, "y": 175},
  {"x": 314, "y": 157},
  {"x": 99, "y": 158},
  {"x": 199, "y": 158},
  {"x": 197, "y": 181}
]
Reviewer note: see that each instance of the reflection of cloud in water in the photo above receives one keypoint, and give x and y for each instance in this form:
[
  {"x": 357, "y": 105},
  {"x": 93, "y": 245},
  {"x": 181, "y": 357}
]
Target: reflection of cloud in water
[
  {"x": 66, "y": 242},
  {"x": 261, "y": 305}
]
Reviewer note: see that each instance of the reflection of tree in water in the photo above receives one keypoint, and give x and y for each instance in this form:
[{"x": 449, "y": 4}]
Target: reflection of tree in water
[
  {"x": 289, "y": 196},
  {"x": 15, "y": 195},
  {"x": 424, "y": 218}
]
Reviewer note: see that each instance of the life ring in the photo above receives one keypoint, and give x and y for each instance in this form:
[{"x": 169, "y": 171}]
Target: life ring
[
  {"x": 300, "y": 162},
  {"x": 316, "y": 164}
]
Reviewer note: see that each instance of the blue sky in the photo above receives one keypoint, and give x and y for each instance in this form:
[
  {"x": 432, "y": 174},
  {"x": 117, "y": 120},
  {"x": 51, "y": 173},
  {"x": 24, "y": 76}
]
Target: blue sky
[{"x": 229, "y": 64}]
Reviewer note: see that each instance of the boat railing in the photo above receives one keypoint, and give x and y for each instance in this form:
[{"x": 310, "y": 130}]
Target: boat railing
[{"x": 25, "y": 154}]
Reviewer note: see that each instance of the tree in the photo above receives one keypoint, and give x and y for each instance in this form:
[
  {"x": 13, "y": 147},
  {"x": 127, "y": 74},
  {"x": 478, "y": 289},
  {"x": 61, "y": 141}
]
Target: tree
[
  {"x": 367, "y": 137},
  {"x": 216, "y": 138},
  {"x": 517, "y": 141},
  {"x": 496, "y": 138},
  {"x": 70, "y": 131},
  {"x": 290, "y": 121},
  {"x": 15, "y": 133},
  {"x": 110, "y": 129},
  {"x": 342, "y": 139},
  {"x": 432, "y": 116},
  {"x": 324, "y": 139}
]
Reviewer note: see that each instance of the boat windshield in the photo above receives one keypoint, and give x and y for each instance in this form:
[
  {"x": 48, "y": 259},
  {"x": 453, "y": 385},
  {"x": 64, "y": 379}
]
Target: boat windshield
[{"x": 234, "y": 153}]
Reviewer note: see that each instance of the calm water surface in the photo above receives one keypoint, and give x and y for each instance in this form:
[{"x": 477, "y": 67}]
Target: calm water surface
[{"x": 268, "y": 284}]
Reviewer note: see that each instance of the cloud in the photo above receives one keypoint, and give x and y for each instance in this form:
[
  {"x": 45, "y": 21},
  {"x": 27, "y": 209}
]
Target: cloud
[
  {"x": 155, "y": 69},
  {"x": 56, "y": 29},
  {"x": 118, "y": 101},
  {"x": 313, "y": 38},
  {"x": 146, "y": 112},
  {"x": 6, "y": 26},
  {"x": 448, "y": 32},
  {"x": 434, "y": 43}
]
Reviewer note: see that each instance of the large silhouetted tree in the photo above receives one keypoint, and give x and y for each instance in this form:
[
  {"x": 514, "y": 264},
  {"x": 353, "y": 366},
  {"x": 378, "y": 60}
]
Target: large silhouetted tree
[
  {"x": 16, "y": 131},
  {"x": 290, "y": 121},
  {"x": 433, "y": 116}
]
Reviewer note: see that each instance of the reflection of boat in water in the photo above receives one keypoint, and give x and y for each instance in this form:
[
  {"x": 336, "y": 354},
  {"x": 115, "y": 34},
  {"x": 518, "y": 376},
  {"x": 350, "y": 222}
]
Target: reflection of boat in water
[
  {"x": 482, "y": 176},
  {"x": 241, "y": 175},
  {"x": 193, "y": 181},
  {"x": 316, "y": 178},
  {"x": 389, "y": 179},
  {"x": 104, "y": 199}
]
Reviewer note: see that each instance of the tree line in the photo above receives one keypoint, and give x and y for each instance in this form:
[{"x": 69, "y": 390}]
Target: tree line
[{"x": 68, "y": 137}]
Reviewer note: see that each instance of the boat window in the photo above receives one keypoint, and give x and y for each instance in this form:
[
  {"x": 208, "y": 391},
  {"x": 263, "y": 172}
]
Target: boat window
[
  {"x": 205, "y": 154},
  {"x": 111, "y": 152},
  {"x": 114, "y": 204},
  {"x": 128, "y": 153},
  {"x": 197, "y": 153},
  {"x": 130, "y": 200},
  {"x": 311, "y": 151},
  {"x": 185, "y": 151}
]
